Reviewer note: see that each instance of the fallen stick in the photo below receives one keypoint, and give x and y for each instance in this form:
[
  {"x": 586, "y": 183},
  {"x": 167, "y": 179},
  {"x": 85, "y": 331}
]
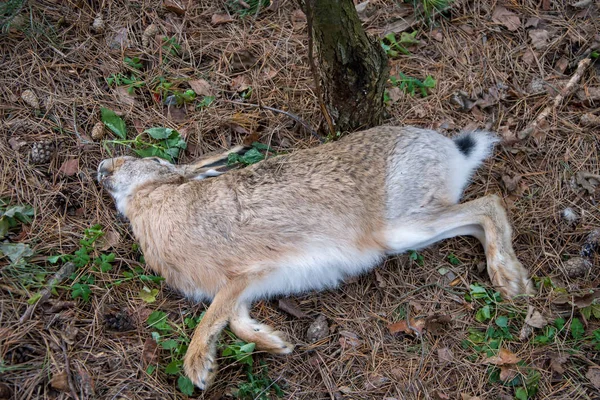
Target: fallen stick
[
  {"x": 66, "y": 270},
  {"x": 565, "y": 92}
]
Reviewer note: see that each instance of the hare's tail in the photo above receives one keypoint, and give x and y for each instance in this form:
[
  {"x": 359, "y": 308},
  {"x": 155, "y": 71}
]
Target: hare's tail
[{"x": 475, "y": 147}]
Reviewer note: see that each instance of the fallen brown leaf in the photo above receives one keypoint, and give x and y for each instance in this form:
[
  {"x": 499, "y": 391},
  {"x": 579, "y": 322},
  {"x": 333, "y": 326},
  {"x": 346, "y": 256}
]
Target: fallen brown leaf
[
  {"x": 557, "y": 361},
  {"x": 240, "y": 83},
  {"x": 535, "y": 319},
  {"x": 298, "y": 19},
  {"x": 201, "y": 87},
  {"x": 110, "y": 239},
  {"x": 218, "y": 19},
  {"x": 437, "y": 324},
  {"x": 511, "y": 184},
  {"x": 539, "y": 38},
  {"x": 504, "y": 357},
  {"x": 349, "y": 339},
  {"x": 150, "y": 352},
  {"x": 86, "y": 382},
  {"x": 380, "y": 281},
  {"x": 290, "y": 306},
  {"x": 507, "y": 372},
  {"x": 70, "y": 167},
  {"x": 175, "y": 6},
  {"x": 318, "y": 330},
  {"x": 416, "y": 327},
  {"x": 465, "y": 396},
  {"x": 505, "y": 17},
  {"x": 529, "y": 57},
  {"x": 445, "y": 355},
  {"x": 124, "y": 97},
  {"x": 593, "y": 375},
  {"x": 397, "y": 327},
  {"x": 60, "y": 382}
]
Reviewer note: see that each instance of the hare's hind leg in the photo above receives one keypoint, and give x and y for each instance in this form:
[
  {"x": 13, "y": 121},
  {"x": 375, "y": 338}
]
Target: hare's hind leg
[
  {"x": 200, "y": 359},
  {"x": 485, "y": 219},
  {"x": 264, "y": 336}
]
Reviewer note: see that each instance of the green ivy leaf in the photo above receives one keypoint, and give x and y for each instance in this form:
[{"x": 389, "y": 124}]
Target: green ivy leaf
[
  {"x": 185, "y": 385},
  {"x": 159, "y": 133},
  {"x": 577, "y": 329},
  {"x": 169, "y": 344},
  {"x": 502, "y": 321},
  {"x": 81, "y": 290},
  {"x": 248, "y": 347},
  {"x": 148, "y": 295},
  {"x": 113, "y": 122},
  {"x": 173, "y": 368},
  {"x": 483, "y": 314},
  {"x": 521, "y": 393},
  {"x": 16, "y": 252},
  {"x": 158, "y": 320}
]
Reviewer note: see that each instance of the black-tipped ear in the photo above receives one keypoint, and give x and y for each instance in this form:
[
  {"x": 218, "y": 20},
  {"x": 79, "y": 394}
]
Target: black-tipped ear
[
  {"x": 204, "y": 173},
  {"x": 220, "y": 159}
]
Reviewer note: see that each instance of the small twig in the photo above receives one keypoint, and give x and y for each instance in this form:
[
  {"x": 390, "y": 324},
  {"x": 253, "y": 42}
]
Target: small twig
[
  {"x": 313, "y": 68},
  {"x": 567, "y": 91},
  {"x": 68, "y": 370},
  {"x": 289, "y": 114},
  {"x": 81, "y": 139},
  {"x": 66, "y": 270}
]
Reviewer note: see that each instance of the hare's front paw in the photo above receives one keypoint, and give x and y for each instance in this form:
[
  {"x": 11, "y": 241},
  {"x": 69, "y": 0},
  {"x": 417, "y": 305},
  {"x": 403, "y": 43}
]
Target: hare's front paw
[{"x": 200, "y": 367}]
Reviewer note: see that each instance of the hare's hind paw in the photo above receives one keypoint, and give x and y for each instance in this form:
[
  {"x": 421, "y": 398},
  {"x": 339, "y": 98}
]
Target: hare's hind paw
[{"x": 510, "y": 277}]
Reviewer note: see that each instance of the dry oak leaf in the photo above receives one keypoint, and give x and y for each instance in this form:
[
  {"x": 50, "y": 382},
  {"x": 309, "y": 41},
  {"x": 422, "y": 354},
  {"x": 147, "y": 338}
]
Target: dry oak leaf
[
  {"x": 504, "y": 357},
  {"x": 124, "y": 97},
  {"x": 535, "y": 319},
  {"x": 201, "y": 87},
  {"x": 298, "y": 19},
  {"x": 218, "y": 19},
  {"x": 60, "y": 382},
  {"x": 290, "y": 306},
  {"x": 349, "y": 339},
  {"x": 507, "y": 18},
  {"x": 593, "y": 375},
  {"x": 539, "y": 38},
  {"x": 175, "y": 6},
  {"x": 150, "y": 352},
  {"x": 445, "y": 355},
  {"x": 240, "y": 83},
  {"x": 416, "y": 326},
  {"x": 69, "y": 167},
  {"x": 437, "y": 324},
  {"x": 557, "y": 361}
]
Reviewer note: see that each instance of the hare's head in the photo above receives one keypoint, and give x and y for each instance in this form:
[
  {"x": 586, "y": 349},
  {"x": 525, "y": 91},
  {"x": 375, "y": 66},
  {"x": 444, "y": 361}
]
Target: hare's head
[{"x": 121, "y": 176}]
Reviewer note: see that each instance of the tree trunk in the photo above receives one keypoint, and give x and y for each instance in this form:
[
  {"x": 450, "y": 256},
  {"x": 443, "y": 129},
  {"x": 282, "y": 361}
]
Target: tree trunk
[{"x": 353, "y": 67}]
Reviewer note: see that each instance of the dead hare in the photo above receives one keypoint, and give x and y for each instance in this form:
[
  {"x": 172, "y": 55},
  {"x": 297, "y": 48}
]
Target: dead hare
[{"x": 304, "y": 221}]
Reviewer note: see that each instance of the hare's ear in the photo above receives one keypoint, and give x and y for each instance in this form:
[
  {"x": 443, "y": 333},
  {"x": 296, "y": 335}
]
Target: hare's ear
[
  {"x": 203, "y": 173},
  {"x": 219, "y": 159}
]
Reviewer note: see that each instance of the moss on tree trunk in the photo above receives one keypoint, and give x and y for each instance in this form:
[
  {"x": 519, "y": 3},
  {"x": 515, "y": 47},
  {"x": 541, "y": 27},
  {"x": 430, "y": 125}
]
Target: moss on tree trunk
[{"x": 353, "y": 66}]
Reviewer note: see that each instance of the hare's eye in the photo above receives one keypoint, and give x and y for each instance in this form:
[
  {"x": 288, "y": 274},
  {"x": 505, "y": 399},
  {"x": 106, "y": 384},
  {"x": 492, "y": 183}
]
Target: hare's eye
[{"x": 156, "y": 159}]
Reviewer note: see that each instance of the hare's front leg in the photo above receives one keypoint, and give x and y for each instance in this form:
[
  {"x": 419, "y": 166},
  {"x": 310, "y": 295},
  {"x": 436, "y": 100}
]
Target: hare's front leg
[
  {"x": 199, "y": 363},
  {"x": 265, "y": 338},
  {"x": 485, "y": 219}
]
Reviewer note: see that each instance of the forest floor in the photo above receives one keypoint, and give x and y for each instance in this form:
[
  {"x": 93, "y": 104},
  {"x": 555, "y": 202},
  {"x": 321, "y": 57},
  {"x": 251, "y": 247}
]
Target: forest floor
[{"x": 112, "y": 330}]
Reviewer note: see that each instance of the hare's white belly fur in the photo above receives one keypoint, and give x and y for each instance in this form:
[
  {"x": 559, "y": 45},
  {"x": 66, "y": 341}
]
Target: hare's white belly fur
[{"x": 316, "y": 268}]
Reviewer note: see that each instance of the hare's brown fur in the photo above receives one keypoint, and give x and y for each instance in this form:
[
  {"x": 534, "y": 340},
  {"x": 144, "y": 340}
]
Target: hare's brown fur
[{"x": 304, "y": 221}]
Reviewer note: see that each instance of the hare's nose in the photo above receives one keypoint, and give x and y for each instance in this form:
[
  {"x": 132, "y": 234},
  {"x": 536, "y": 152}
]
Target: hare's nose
[{"x": 104, "y": 169}]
